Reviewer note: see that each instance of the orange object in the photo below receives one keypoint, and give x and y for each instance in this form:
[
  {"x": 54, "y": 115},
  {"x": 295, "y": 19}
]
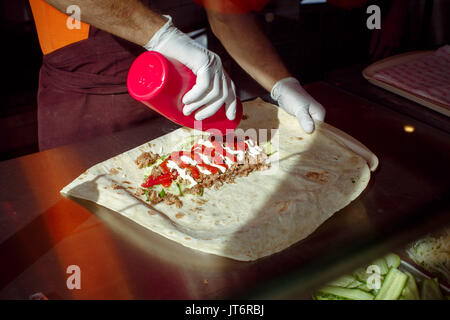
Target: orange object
[{"x": 51, "y": 26}]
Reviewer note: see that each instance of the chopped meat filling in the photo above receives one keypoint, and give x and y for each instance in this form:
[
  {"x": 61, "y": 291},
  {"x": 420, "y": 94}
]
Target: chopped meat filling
[
  {"x": 146, "y": 159},
  {"x": 317, "y": 176},
  {"x": 115, "y": 186},
  {"x": 172, "y": 199},
  {"x": 140, "y": 192},
  {"x": 156, "y": 171},
  {"x": 155, "y": 198},
  {"x": 235, "y": 170},
  {"x": 113, "y": 171}
]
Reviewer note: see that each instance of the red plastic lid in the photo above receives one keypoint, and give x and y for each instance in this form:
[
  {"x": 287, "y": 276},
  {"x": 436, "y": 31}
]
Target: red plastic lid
[{"x": 148, "y": 76}]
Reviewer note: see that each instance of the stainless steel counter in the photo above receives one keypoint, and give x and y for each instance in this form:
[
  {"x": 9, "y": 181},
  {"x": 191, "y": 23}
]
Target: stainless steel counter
[{"x": 42, "y": 233}]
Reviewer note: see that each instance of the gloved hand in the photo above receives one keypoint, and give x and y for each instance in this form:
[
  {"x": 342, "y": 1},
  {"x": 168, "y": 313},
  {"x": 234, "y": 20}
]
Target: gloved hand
[
  {"x": 213, "y": 87},
  {"x": 292, "y": 98}
]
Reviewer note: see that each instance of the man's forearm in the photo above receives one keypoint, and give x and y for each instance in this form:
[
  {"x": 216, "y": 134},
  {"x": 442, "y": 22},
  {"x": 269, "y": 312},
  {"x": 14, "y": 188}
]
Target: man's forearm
[
  {"x": 129, "y": 20},
  {"x": 250, "y": 48}
]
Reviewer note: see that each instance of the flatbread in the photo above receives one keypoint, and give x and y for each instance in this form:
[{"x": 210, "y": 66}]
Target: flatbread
[{"x": 311, "y": 178}]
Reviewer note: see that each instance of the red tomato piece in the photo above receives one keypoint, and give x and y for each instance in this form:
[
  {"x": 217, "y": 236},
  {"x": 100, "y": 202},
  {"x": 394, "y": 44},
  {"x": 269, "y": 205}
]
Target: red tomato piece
[
  {"x": 165, "y": 179},
  {"x": 219, "y": 161},
  {"x": 176, "y": 156},
  {"x": 211, "y": 169},
  {"x": 197, "y": 158},
  {"x": 164, "y": 167},
  {"x": 193, "y": 170}
]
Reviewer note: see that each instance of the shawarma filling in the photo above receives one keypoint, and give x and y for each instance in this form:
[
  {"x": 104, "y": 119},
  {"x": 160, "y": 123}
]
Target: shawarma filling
[{"x": 207, "y": 164}]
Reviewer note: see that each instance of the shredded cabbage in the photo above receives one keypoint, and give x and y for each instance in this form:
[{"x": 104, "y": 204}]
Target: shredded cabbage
[{"x": 433, "y": 253}]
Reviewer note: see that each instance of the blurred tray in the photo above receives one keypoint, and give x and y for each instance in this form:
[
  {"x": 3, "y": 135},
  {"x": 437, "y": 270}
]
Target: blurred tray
[
  {"x": 370, "y": 71},
  {"x": 419, "y": 275}
]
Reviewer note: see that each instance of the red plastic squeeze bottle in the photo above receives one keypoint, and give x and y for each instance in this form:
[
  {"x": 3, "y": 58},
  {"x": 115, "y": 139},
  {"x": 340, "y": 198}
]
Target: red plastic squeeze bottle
[{"x": 160, "y": 83}]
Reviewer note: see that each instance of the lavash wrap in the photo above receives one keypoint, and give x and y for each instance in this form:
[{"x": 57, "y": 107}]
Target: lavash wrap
[{"x": 258, "y": 215}]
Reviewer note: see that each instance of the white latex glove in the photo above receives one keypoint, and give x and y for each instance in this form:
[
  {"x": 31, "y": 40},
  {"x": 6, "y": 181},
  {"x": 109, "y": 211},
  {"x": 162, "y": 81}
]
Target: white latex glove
[
  {"x": 292, "y": 98},
  {"x": 213, "y": 87}
]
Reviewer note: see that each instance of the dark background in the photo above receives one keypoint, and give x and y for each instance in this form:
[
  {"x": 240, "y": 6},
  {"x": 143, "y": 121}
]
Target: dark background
[
  {"x": 312, "y": 40},
  {"x": 22, "y": 58}
]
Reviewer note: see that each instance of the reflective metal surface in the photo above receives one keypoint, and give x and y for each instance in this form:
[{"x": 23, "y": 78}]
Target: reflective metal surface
[{"x": 42, "y": 233}]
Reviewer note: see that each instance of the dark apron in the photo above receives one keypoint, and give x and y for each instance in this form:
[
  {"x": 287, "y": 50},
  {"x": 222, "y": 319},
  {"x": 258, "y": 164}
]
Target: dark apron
[{"x": 82, "y": 91}]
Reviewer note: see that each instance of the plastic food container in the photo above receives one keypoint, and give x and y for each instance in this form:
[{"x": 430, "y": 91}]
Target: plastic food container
[{"x": 160, "y": 83}]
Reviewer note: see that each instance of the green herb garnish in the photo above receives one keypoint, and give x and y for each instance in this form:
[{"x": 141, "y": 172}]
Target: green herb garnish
[
  {"x": 147, "y": 194},
  {"x": 164, "y": 157},
  {"x": 179, "y": 189},
  {"x": 162, "y": 194},
  {"x": 201, "y": 192}
]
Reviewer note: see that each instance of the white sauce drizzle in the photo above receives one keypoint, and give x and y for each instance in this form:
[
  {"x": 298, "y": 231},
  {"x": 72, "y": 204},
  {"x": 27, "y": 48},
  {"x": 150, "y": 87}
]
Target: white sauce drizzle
[
  {"x": 192, "y": 162},
  {"x": 227, "y": 161},
  {"x": 203, "y": 170},
  {"x": 206, "y": 143},
  {"x": 252, "y": 149},
  {"x": 240, "y": 153},
  {"x": 188, "y": 160},
  {"x": 206, "y": 160}
]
